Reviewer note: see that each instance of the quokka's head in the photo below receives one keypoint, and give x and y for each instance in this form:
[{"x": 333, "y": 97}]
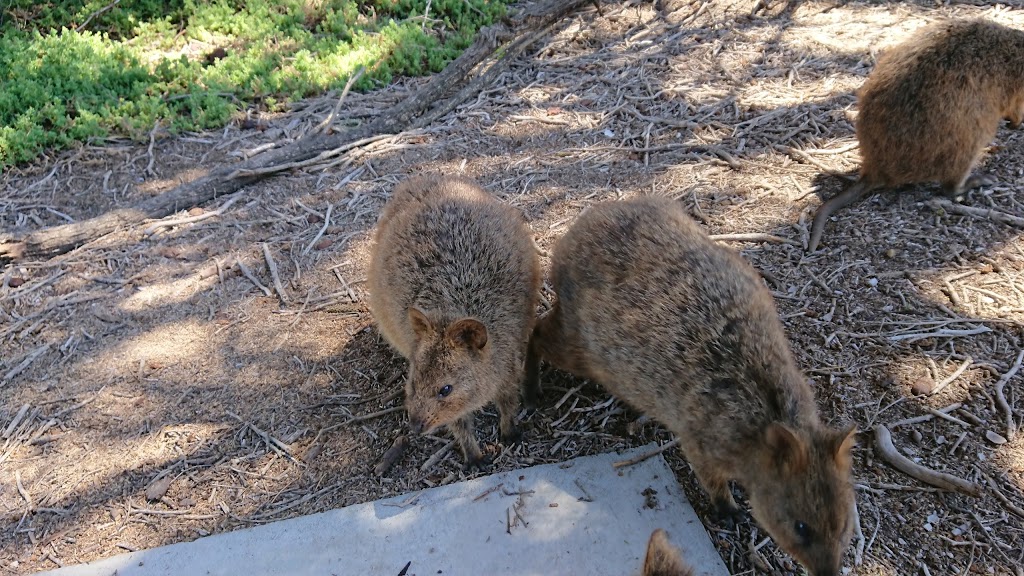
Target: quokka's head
[
  {"x": 804, "y": 497},
  {"x": 448, "y": 375}
]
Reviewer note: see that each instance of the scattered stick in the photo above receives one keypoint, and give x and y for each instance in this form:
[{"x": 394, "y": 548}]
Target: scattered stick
[
  {"x": 272, "y": 266},
  {"x": 640, "y": 458},
  {"x": 348, "y": 86},
  {"x": 149, "y": 150},
  {"x": 437, "y": 456},
  {"x": 28, "y": 360},
  {"x": 274, "y": 444},
  {"x": 490, "y": 490},
  {"x": 17, "y": 420},
  {"x": 189, "y": 219},
  {"x": 1002, "y": 498},
  {"x": 889, "y": 453},
  {"x": 755, "y": 237},
  {"x": 925, "y": 417},
  {"x": 800, "y": 155},
  {"x": 252, "y": 278},
  {"x": 95, "y": 14},
  {"x": 391, "y": 456},
  {"x": 952, "y": 377},
  {"x": 997, "y": 216},
  {"x": 946, "y": 333},
  {"x": 373, "y": 415},
  {"x": 21, "y": 489},
  {"x": 327, "y": 222},
  {"x": 1011, "y": 428}
]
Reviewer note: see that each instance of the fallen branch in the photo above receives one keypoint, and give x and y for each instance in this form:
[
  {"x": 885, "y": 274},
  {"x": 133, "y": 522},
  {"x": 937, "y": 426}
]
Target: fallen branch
[
  {"x": 441, "y": 94},
  {"x": 641, "y": 457},
  {"x": 889, "y": 453},
  {"x": 1011, "y": 428},
  {"x": 755, "y": 237},
  {"x": 978, "y": 213},
  {"x": 950, "y": 333},
  {"x": 274, "y": 444}
]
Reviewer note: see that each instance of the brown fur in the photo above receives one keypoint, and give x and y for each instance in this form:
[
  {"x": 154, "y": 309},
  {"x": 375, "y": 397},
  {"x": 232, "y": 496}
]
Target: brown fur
[
  {"x": 683, "y": 330},
  {"x": 931, "y": 106},
  {"x": 663, "y": 559},
  {"x": 454, "y": 282}
]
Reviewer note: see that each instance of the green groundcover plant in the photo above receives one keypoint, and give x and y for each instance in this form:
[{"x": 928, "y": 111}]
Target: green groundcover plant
[{"x": 78, "y": 71}]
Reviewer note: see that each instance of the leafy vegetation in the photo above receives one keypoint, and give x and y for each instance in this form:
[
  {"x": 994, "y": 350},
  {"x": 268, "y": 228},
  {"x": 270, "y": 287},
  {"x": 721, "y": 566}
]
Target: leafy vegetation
[{"x": 72, "y": 71}]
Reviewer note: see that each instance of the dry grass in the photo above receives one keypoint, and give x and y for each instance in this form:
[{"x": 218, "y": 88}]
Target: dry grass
[{"x": 151, "y": 356}]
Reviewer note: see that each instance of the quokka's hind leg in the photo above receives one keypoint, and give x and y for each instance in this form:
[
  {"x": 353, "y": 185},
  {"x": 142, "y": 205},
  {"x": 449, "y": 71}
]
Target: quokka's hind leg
[
  {"x": 531, "y": 373},
  {"x": 955, "y": 190}
]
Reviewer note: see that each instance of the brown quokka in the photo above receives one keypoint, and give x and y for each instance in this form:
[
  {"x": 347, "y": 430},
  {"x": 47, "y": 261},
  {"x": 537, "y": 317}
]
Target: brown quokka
[
  {"x": 929, "y": 108},
  {"x": 663, "y": 559},
  {"x": 454, "y": 282},
  {"x": 683, "y": 330}
]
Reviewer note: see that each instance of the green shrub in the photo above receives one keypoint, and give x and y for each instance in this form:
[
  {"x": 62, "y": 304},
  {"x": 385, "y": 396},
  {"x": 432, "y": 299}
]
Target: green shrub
[{"x": 146, "y": 61}]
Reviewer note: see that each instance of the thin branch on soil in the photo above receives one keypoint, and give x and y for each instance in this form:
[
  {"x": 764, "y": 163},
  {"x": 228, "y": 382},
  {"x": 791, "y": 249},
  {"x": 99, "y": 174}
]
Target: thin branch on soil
[
  {"x": 252, "y": 278},
  {"x": 348, "y": 86},
  {"x": 925, "y": 417},
  {"x": 17, "y": 420},
  {"x": 373, "y": 415},
  {"x": 641, "y": 457},
  {"x": 947, "y": 333},
  {"x": 952, "y": 377},
  {"x": 994, "y": 488},
  {"x": 327, "y": 223},
  {"x": 272, "y": 267},
  {"x": 755, "y": 237},
  {"x": 1011, "y": 428},
  {"x": 437, "y": 456},
  {"x": 190, "y": 219},
  {"x": 889, "y": 453},
  {"x": 997, "y": 216},
  {"x": 274, "y": 444},
  {"x": 149, "y": 151},
  {"x": 25, "y": 363}
]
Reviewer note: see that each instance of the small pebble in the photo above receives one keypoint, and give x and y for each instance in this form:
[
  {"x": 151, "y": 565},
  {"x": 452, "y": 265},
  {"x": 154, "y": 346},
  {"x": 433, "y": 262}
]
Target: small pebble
[
  {"x": 922, "y": 386},
  {"x": 994, "y": 437},
  {"x": 916, "y": 437}
]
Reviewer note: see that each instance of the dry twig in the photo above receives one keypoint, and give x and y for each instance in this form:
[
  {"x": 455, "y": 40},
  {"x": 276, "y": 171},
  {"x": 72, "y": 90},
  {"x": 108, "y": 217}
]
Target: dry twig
[
  {"x": 1011, "y": 428},
  {"x": 641, "y": 457}
]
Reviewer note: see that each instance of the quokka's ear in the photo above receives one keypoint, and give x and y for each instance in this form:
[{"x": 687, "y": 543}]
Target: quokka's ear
[
  {"x": 468, "y": 333},
  {"x": 787, "y": 450},
  {"x": 663, "y": 559},
  {"x": 420, "y": 323},
  {"x": 843, "y": 442}
]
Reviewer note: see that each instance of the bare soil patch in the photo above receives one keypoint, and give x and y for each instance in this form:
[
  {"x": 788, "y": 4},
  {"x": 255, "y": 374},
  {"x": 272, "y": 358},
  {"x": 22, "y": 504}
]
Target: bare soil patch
[{"x": 151, "y": 391}]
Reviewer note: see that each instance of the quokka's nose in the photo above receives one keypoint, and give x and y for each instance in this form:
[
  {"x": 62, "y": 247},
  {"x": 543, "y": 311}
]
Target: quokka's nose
[{"x": 416, "y": 425}]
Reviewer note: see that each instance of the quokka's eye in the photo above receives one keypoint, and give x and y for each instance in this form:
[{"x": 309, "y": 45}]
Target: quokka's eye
[
  {"x": 803, "y": 532},
  {"x": 445, "y": 390}
]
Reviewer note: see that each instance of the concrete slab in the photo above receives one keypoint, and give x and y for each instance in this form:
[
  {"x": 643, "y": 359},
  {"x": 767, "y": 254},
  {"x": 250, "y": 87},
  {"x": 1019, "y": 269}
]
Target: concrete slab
[{"x": 577, "y": 517}]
